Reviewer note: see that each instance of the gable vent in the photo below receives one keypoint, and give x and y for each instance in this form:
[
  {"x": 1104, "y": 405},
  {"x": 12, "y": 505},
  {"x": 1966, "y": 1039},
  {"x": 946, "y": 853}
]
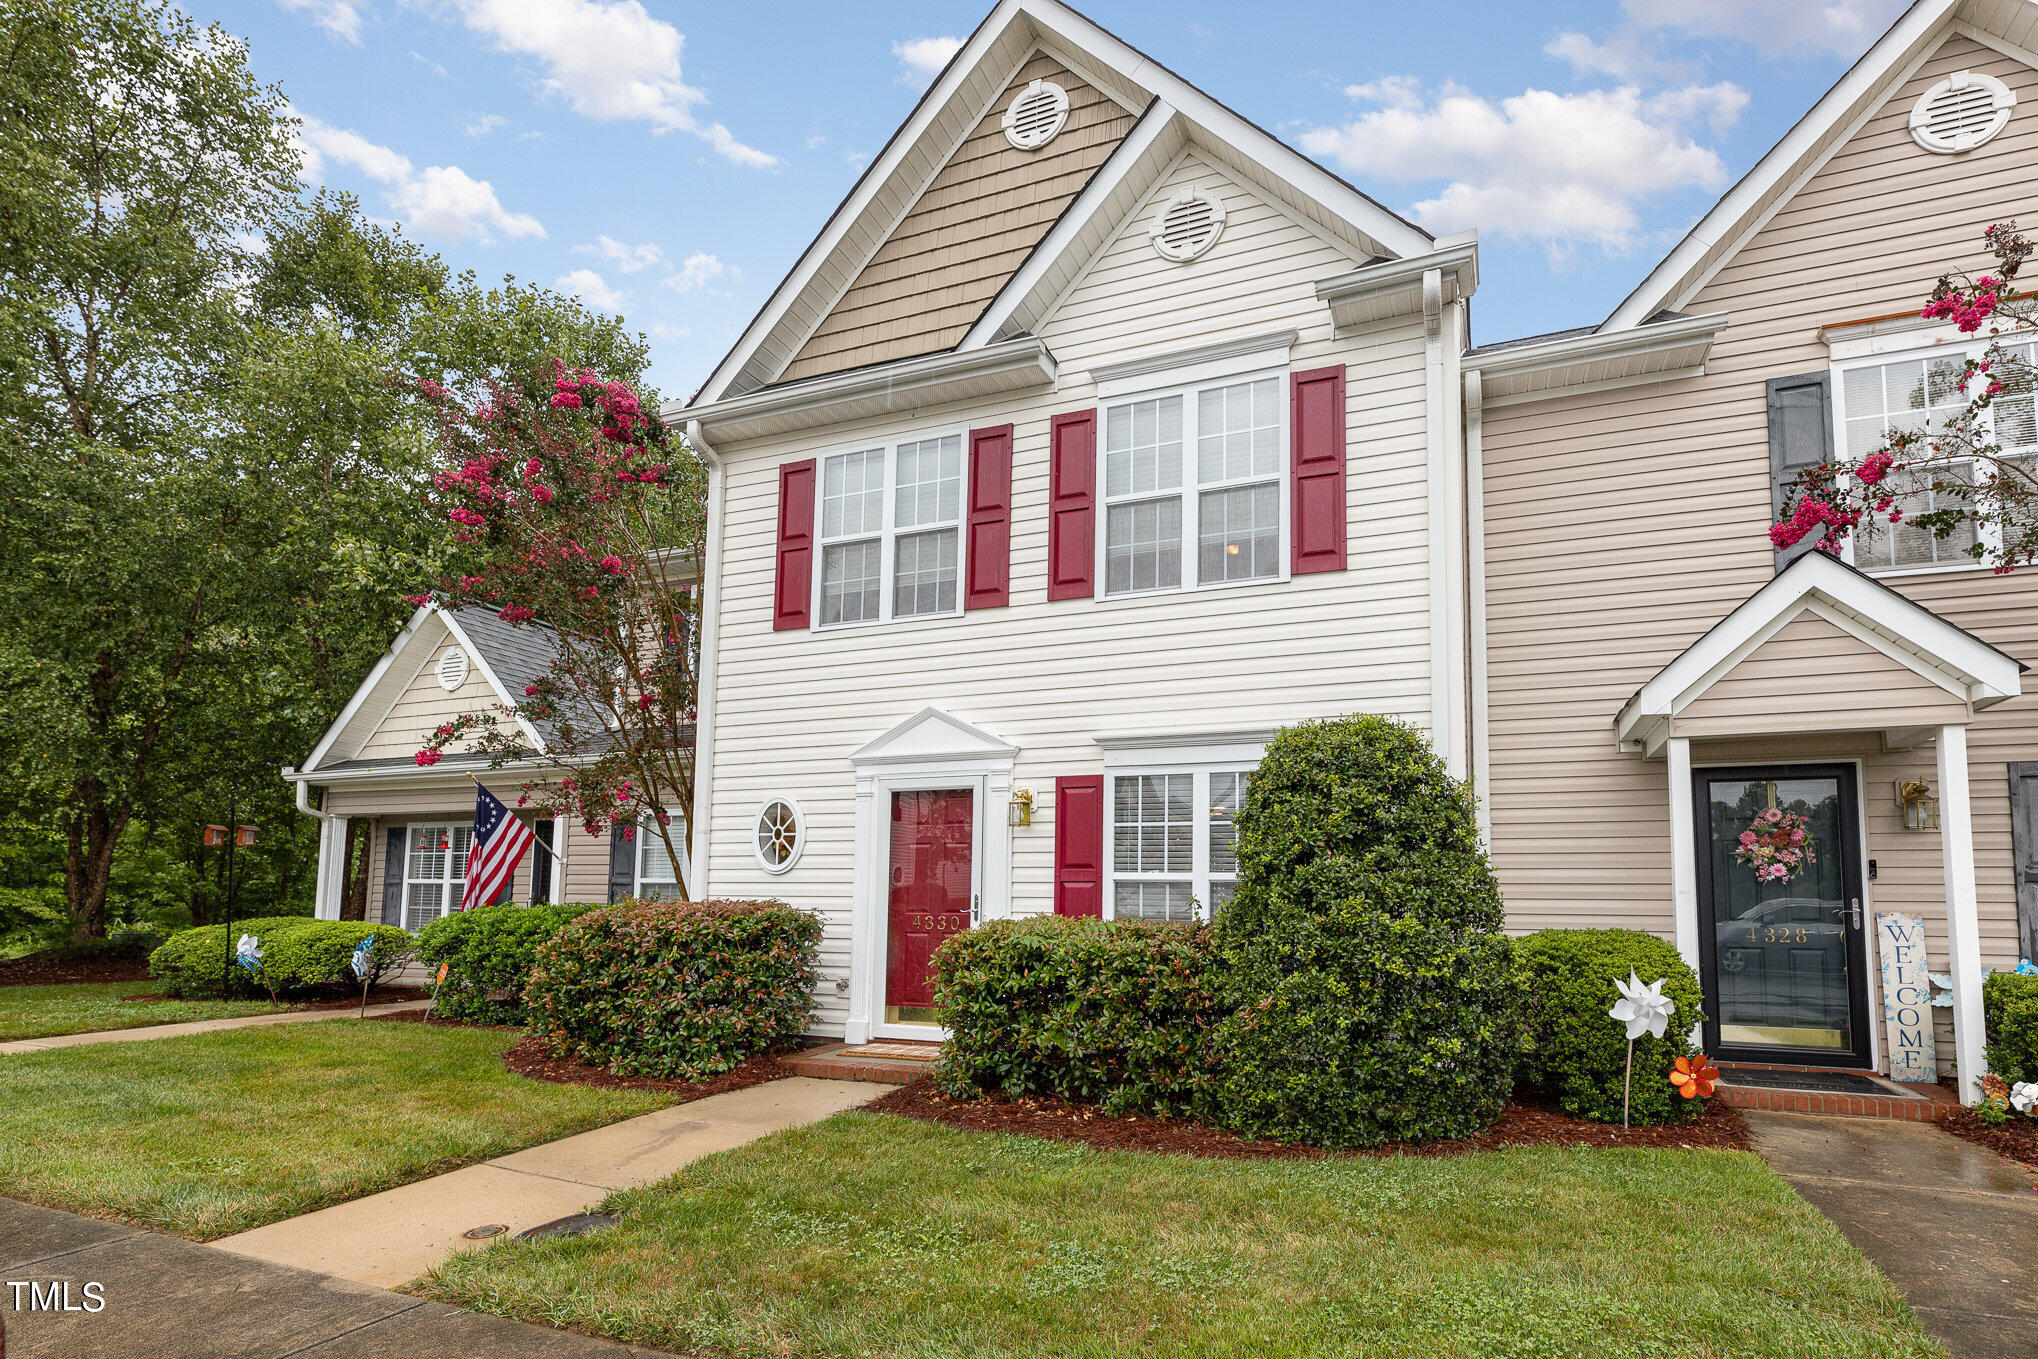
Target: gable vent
[
  {"x": 1036, "y": 114},
  {"x": 452, "y": 669},
  {"x": 1187, "y": 225},
  {"x": 1961, "y": 112}
]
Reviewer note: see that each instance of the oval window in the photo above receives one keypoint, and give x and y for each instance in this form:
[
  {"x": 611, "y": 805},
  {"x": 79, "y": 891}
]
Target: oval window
[{"x": 780, "y": 835}]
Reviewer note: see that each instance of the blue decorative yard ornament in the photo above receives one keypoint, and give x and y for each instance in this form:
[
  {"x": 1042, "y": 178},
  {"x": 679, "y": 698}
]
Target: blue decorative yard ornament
[
  {"x": 364, "y": 957},
  {"x": 248, "y": 953}
]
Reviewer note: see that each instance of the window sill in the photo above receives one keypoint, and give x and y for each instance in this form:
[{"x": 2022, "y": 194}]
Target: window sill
[
  {"x": 1214, "y": 587},
  {"x": 1946, "y": 569}
]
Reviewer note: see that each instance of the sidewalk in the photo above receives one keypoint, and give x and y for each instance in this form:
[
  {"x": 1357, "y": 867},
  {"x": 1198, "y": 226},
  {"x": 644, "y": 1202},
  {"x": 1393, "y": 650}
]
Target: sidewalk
[
  {"x": 79, "y": 1040},
  {"x": 392, "y": 1237},
  {"x": 172, "y": 1299},
  {"x": 1951, "y": 1223}
]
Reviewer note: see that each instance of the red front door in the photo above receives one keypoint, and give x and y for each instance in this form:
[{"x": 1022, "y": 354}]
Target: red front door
[{"x": 933, "y": 833}]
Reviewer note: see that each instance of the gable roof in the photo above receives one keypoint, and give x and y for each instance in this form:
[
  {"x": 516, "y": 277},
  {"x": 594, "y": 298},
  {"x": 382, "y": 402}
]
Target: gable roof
[{"x": 956, "y": 103}]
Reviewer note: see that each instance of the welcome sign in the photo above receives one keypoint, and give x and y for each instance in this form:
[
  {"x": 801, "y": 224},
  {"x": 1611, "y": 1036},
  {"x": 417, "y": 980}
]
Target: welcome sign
[{"x": 1907, "y": 998}]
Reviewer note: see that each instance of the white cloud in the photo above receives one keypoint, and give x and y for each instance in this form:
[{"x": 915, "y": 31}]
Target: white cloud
[
  {"x": 485, "y": 124},
  {"x": 669, "y": 334},
  {"x": 628, "y": 258},
  {"x": 1564, "y": 169},
  {"x": 432, "y": 66},
  {"x": 698, "y": 271},
  {"x": 923, "y": 58},
  {"x": 1626, "y": 55},
  {"x": 440, "y": 200},
  {"x": 336, "y": 17},
  {"x": 1775, "y": 28},
  {"x": 610, "y": 61},
  {"x": 590, "y": 288},
  {"x": 816, "y": 142}
]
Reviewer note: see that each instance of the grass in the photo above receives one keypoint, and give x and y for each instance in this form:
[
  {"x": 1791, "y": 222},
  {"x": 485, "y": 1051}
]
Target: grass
[
  {"x": 219, "y": 1132},
  {"x": 85, "y": 1007},
  {"x": 869, "y": 1235}
]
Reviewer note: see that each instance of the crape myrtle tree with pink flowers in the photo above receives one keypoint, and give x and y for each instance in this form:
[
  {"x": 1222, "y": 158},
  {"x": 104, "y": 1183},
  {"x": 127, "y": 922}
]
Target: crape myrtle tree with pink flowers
[
  {"x": 1973, "y": 474},
  {"x": 576, "y": 511}
]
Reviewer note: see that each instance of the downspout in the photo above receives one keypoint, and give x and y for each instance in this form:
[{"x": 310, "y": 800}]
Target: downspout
[
  {"x": 1475, "y": 545},
  {"x": 321, "y": 895},
  {"x": 710, "y": 665},
  {"x": 1443, "y": 727}
]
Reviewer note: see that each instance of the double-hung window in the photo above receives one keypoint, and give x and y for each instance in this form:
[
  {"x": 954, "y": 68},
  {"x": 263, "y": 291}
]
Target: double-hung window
[
  {"x": 1171, "y": 837},
  {"x": 1882, "y": 396},
  {"x": 434, "y": 872},
  {"x": 891, "y": 532},
  {"x": 1193, "y": 487},
  {"x": 656, "y": 874}
]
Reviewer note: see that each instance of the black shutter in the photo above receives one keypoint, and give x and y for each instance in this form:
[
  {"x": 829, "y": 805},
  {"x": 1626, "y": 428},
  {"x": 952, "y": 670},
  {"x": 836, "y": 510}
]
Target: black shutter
[
  {"x": 541, "y": 863},
  {"x": 392, "y": 876},
  {"x": 1800, "y": 436},
  {"x": 2024, "y": 843},
  {"x": 622, "y": 864}
]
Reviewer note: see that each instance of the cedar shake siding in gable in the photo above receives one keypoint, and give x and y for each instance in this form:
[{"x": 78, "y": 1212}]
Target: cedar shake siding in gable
[
  {"x": 1621, "y": 526},
  {"x": 970, "y": 230}
]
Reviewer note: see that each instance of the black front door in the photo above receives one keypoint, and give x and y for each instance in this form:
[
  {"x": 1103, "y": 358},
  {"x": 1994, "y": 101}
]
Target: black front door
[{"x": 1786, "y": 960}]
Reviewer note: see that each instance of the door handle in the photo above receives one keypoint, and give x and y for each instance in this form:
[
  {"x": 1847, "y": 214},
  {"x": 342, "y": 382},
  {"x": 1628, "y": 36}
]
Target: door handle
[
  {"x": 976, "y": 910},
  {"x": 1854, "y": 912}
]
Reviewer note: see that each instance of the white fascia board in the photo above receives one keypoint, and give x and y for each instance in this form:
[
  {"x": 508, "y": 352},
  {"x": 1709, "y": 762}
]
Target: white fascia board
[
  {"x": 1284, "y": 162},
  {"x": 494, "y": 682},
  {"x": 431, "y": 776},
  {"x": 873, "y": 180},
  {"x": 367, "y": 686},
  {"x": 1375, "y": 292},
  {"x": 1579, "y": 351},
  {"x": 1924, "y": 23}
]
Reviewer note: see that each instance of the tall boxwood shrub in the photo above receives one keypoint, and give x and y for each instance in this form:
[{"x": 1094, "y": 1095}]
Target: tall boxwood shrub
[
  {"x": 1111, "y": 1013},
  {"x": 1576, "y": 1050},
  {"x": 2009, "y": 1006},
  {"x": 675, "y": 989},
  {"x": 489, "y": 952},
  {"x": 1374, "y": 995}
]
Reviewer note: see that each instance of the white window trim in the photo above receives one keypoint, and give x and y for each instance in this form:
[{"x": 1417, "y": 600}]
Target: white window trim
[
  {"x": 446, "y": 883},
  {"x": 646, "y": 826},
  {"x": 1876, "y": 351},
  {"x": 1199, "y": 875},
  {"x": 1187, "y": 388},
  {"x": 799, "y": 836},
  {"x": 888, "y": 534}
]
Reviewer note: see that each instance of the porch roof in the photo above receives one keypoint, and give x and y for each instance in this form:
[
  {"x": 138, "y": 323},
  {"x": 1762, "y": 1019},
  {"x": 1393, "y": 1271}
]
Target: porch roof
[{"x": 1822, "y": 647}]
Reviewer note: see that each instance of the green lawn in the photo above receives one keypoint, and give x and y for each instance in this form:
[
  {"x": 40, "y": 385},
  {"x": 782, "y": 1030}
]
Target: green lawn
[
  {"x": 45, "y": 1011},
  {"x": 219, "y": 1132},
  {"x": 870, "y": 1235}
]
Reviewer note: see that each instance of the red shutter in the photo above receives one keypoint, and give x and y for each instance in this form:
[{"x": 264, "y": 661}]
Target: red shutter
[
  {"x": 1079, "y": 846},
  {"x": 990, "y": 519},
  {"x": 792, "y": 602},
  {"x": 1316, "y": 434},
  {"x": 1071, "y": 506}
]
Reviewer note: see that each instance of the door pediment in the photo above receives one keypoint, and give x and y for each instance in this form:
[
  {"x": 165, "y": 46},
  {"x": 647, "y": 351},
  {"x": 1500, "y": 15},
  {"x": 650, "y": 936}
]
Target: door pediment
[{"x": 932, "y": 736}]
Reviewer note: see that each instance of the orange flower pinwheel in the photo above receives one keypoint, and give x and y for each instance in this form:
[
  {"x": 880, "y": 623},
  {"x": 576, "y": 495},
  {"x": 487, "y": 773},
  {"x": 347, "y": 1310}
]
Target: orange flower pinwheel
[{"x": 1694, "y": 1077}]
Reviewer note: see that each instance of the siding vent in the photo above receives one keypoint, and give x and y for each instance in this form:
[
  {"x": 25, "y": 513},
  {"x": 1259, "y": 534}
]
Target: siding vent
[
  {"x": 452, "y": 669},
  {"x": 1961, "y": 112},
  {"x": 1036, "y": 114},
  {"x": 1187, "y": 225}
]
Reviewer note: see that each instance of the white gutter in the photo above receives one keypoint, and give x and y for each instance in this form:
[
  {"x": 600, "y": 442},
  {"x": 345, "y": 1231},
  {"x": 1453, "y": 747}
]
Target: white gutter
[
  {"x": 710, "y": 664},
  {"x": 1400, "y": 287}
]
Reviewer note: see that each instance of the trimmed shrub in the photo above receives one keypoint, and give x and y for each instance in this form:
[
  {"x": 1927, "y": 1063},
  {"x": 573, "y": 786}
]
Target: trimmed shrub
[
  {"x": 674, "y": 989},
  {"x": 298, "y": 955},
  {"x": 1373, "y": 995},
  {"x": 1576, "y": 1051},
  {"x": 489, "y": 952},
  {"x": 2009, "y": 1004},
  {"x": 1109, "y": 1013}
]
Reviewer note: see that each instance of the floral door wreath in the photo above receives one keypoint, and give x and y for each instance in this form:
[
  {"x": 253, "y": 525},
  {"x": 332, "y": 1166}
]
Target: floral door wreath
[{"x": 1777, "y": 845}]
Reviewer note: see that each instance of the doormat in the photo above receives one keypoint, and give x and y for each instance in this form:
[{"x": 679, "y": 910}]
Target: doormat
[
  {"x": 904, "y": 1051},
  {"x": 1817, "y": 1082}
]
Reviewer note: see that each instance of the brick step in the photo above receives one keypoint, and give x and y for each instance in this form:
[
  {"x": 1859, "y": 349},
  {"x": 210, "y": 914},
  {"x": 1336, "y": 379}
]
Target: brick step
[
  {"x": 841, "y": 1062},
  {"x": 1931, "y": 1102}
]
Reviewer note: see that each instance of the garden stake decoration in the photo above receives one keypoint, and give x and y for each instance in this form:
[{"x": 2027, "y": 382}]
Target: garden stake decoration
[
  {"x": 437, "y": 982},
  {"x": 1694, "y": 1077},
  {"x": 248, "y": 953},
  {"x": 1644, "y": 1009},
  {"x": 363, "y": 964}
]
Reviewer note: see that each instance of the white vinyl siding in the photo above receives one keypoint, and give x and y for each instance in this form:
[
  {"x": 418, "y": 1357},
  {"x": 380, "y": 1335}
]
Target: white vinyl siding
[
  {"x": 1171, "y": 839},
  {"x": 891, "y": 532},
  {"x": 434, "y": 872}
]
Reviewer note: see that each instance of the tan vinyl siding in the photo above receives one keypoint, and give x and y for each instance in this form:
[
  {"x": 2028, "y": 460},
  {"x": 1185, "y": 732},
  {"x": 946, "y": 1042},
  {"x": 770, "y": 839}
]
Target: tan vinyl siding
[
  {"x": 972, "y": 228},
  {"x": 423, "y": 707},
  {"x": 587, "y": 857},
  {"x": 1813, "y": 677},
  {"x": 1050, "y": 677},
  {"x": 1621, "y": 526}
]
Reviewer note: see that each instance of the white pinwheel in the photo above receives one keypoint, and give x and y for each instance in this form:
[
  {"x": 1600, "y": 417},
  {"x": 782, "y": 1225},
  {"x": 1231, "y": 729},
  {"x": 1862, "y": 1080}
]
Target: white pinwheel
[
  {"x": 248, "y": 953},
  {"x": 364, "y": 956},
  {"x": 1644, "y": 1009},
  {"x": 2024, "y": 1097}
]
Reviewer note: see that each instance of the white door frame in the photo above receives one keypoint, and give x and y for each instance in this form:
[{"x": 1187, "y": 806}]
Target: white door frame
[{"x": 928, "y": 750}]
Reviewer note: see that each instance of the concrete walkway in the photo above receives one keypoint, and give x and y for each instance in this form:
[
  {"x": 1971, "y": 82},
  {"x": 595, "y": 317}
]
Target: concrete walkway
[
  {"x": 1952, "y": 1223},
  {"x": 392, "y": 1237},
  {"x": 79, "y": 1040},
  {"x": 172, "y": 1299}
]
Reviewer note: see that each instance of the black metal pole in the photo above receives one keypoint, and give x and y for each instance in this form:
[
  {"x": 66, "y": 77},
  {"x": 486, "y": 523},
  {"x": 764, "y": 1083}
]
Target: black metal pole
[{"x": 233, "y": 816}]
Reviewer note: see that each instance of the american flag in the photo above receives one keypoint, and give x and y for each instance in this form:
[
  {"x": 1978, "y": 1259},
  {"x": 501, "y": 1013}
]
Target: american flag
[{"x": 499, "y": 843}]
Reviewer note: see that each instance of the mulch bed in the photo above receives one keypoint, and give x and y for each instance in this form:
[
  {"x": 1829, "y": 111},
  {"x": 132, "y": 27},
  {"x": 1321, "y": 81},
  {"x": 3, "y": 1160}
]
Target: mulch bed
[
  {"x": 2016, "y": 1140},
  {"x": 530, "y": 1059},
  {"x": 42, "y": 969},
  {"x": 1720, "y": 1128}
]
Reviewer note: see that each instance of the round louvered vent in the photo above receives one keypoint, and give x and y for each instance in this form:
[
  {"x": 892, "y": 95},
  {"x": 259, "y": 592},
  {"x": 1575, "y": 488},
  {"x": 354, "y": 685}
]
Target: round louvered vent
[
  {"x": 1188, "y": 224},
  {"x": 452, "y": 669},
  {"x": 1036, "y": 114},
  {"x": 1961, "y": 112}
]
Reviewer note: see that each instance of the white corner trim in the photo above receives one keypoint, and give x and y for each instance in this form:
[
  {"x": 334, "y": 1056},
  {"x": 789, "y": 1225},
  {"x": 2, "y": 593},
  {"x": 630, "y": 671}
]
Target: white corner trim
[
  {"x": 1185, "y": 367},
  {"x": 710, "y": 665},
  {"x": 1683, "y": 854},
  {"x": 1475, "y": 548}
]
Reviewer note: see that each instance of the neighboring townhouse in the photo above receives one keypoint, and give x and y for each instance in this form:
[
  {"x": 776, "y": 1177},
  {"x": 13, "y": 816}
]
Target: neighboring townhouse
[
  {"x": 393, "y": 835},
  {"x": 1096, "y": 436},
  {"x": 1649, "y": 674}
]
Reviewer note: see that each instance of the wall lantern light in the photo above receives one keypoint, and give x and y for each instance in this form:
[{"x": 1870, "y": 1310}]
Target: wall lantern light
[
  {"x": 1921, "y": 809},
  {"x": 1020, "y": 812}
]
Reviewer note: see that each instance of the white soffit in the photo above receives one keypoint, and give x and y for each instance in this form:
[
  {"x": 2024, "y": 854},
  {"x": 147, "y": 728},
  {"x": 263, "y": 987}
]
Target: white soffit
[{"x": 1597, "y": 361}]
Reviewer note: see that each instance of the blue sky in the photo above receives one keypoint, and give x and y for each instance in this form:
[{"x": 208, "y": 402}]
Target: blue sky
[{"x": 669, "y": 159}]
